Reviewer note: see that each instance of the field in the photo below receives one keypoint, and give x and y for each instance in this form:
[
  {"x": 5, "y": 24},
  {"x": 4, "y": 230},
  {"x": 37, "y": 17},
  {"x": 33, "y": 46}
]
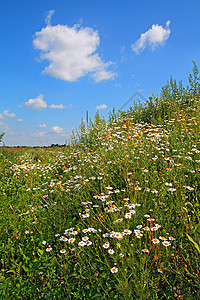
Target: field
[{"x": 113, "y": 215}]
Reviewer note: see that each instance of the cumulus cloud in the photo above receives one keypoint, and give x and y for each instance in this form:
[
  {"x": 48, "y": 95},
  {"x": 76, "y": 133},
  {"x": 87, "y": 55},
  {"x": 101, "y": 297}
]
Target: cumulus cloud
[
  {"x": 71, "y": 52},
  {"x": 5, "y": 114},
  {"x": 42, "y": 126},
  {"x": 57, "y": 129},
  {"x": 20, "y": 120},
  {"x": 153, "y": 37},
  {"x": 103, "y": 106},
  {"x": 36, "y": 103}
]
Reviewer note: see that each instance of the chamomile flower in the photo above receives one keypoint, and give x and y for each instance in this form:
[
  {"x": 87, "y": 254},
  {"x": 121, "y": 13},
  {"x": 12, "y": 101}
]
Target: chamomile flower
[
  {"x": 71, "y": 240},
  {"x": 82, "y": 243},
  {"x": 155, "y": 241},
  {"x": 139, "y": 226},
  {"x": 162, "y": 238},
  {"x": 62, "y": 251},
  {"x": 114, "y": 270},
  {"x": 49, "y": 249},
  {"x": 166, "y": 243},
  {"x": 145, "y": 250},
  {"x": 106, "y": 245},
  {"x": 111, "y": 251},
  {"x": 146, "y": 228},
  {"x": 128, "y": 215},
  {"x": 171, "y": 190},
  {"x": 88, "y": 243}
]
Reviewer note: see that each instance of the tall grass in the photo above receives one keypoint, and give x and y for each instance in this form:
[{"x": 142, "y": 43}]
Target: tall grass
[{"x": 115, "y": 215}]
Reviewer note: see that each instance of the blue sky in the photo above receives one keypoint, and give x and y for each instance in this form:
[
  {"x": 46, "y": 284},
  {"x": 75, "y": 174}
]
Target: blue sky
[{"x": 59, "y": 59}]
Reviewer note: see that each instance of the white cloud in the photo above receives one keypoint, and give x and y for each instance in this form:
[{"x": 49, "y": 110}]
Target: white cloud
[
  {"x": 48, "y": 16},
  {"x": 20, "y": 120},
  {"x": 57, "y": 129},
  {"x": 37, "y": 103},
  {"x": 100, "y": 75},
  {"x": 42, "y": 126},
  {"x": 103, "y": 106},
  {"x": 3, "y": 127},
  {"x": 71, "y": 52},
  {"x": 57, "y": 106},
  {"x": 153, "y": 37},
  {"x": 5, "y": 114}
]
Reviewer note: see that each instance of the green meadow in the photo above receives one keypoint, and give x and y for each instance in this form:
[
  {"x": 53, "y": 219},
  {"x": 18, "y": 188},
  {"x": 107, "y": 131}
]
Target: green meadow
[{"x": 113, "y": 215}]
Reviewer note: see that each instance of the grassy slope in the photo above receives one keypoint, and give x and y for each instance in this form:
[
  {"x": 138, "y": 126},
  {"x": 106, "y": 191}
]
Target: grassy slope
[{"x": 143, "y": 162}]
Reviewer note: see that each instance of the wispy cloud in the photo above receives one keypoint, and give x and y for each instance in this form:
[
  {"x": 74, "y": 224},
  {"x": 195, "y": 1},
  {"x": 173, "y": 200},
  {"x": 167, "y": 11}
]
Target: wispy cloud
[
  {"x": 71, "y": 52},
  {"x": 103, "y": 106},
  {"x": 153, "y": 37},
  {"x": 36, "y": 103},
  {"x": 42, "y": 126},
  {"x": 59, "y": 106},
  {"x": 5, "y": 115},
  {"x": 20, "y": 120},
  {"x": 4, "y": 127},
  {"x": 49, "y": 16}
]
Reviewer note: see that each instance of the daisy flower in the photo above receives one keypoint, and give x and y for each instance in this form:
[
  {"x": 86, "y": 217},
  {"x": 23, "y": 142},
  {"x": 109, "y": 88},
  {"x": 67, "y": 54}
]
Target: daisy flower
[
  {"x": 145, "y": 250},
  {"x": 150, "y": 219},
  {"x": 88, "y": 243},
  {"x": 166, "y": 243},
  {"x": 162, "y": 238},
  {"x": 114, "y": 270},
  {"x": 62, "y": 251},
  {"x": 171, "y": 190},
  {"x": 63, "y": 238},
  {"x": 118, "y": 235},
  {"x": 111, "y": 251},
  {"x": 106, "y": 245},
  {"x": 154, "y": 228},
  {"x": 139, "y": 226},
  {"x": 155, "y": 241},
  {"x": 72, "y": 240},
  {"x": 139, "y": 235},
  {"x": 128, "y": 215},
  {"x": 49, "y": 249},
  {"x": 127, "y": 231},
  {"x": 146, "y": 228},
  {"x": 82, "y": 243}
]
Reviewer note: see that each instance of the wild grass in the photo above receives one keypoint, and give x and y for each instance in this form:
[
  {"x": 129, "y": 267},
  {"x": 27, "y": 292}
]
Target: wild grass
[{"x": 115, "y": 214}]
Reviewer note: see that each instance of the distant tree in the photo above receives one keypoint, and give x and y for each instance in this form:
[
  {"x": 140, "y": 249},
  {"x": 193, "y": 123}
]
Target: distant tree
[{"x": 1, "y": 137}]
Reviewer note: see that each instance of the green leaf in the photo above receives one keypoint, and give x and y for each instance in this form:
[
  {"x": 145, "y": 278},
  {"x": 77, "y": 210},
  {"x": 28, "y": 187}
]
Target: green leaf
[
  {"x": 40, "y": 252},
  {"x": 195, "y": 244},
  {"x": 11, "y": 271}
]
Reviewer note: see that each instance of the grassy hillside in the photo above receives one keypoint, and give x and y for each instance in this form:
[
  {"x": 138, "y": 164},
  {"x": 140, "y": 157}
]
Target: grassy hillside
[{"x": 115, "y": 215}]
